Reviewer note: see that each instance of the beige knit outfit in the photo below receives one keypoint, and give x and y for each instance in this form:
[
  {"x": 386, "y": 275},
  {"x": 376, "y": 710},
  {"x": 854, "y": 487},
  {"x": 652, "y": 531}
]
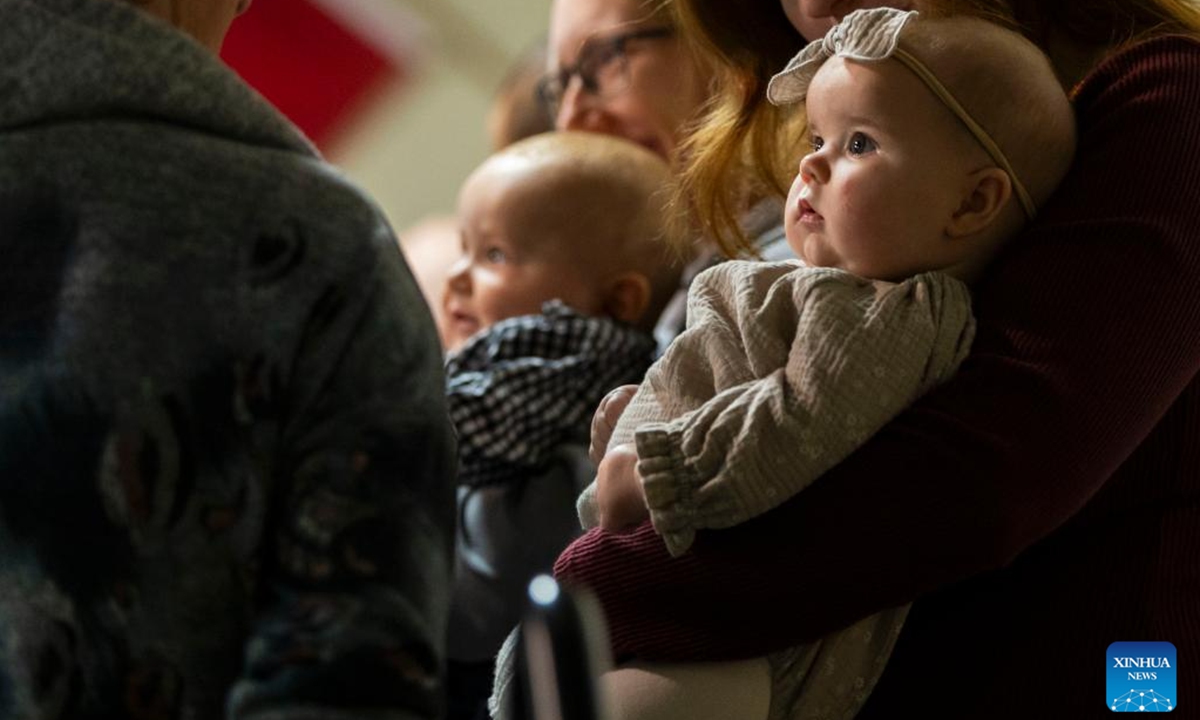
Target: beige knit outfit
[{"x": 782, "y": 372}]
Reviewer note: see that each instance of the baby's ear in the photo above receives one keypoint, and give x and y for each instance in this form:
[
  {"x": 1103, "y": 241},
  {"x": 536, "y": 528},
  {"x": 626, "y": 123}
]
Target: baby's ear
[
  {"x": 628, "y": 297},
  {"x": 986, "y": 192}
]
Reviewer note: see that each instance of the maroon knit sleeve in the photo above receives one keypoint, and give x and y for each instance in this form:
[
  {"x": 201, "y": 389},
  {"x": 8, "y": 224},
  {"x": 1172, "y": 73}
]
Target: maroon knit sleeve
[{"x": 1089, "y": 331}]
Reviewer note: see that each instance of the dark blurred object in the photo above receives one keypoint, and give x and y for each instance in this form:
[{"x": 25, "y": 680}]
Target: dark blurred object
[
  {"x": 561, "y": 650},
  {"x": 468, "y": 685},
  {"x": 36, "y": 241}
]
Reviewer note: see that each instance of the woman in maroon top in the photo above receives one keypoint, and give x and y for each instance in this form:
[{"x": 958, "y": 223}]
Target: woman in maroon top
[{"x": 1046, "y": 501}]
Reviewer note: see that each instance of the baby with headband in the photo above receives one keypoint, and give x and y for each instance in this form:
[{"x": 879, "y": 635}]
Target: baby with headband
[{"x": 932, "y": 141}]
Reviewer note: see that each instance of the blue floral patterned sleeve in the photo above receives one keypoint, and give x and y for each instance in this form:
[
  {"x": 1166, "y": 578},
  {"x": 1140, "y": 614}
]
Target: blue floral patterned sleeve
[
  {"x": 351, "y": 611},
  {"x": 279, "y": 523}
]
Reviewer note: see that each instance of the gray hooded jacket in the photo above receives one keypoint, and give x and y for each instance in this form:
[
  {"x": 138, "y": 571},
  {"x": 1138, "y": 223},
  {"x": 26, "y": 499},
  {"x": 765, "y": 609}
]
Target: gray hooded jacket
[{"x": 226, "y": 470}]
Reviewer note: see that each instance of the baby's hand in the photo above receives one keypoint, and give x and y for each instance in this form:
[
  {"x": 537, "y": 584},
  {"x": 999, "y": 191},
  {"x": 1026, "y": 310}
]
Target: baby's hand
[
  {"x": 619, "y": 489},
  {"x": 605, "y": 420}
]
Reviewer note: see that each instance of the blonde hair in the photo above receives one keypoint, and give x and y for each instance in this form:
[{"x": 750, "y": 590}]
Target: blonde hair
[
  {"x": 745, "y": 145},
  {"x": 607, "y": 196}
]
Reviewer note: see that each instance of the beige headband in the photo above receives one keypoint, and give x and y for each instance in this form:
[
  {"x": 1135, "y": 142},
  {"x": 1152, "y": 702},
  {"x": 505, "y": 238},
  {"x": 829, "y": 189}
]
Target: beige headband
[{"x": 873, "y": 35}]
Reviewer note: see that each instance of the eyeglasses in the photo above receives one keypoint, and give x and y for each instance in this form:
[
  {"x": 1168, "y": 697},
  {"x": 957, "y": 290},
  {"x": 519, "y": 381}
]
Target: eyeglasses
[{"x": 602, "y": 67}]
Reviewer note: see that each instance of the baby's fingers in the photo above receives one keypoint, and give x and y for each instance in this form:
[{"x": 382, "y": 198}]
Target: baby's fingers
[{"x": 606, "y": 417}]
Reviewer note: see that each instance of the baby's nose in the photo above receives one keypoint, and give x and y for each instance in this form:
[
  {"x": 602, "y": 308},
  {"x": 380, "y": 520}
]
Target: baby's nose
[
  {"x": 813, "y": 169},
  {"x": 458, "y": 277}
]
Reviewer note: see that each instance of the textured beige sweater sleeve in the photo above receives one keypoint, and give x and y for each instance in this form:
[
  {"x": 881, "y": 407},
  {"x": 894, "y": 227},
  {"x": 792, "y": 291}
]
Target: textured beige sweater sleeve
[{"x": 782, "y": 372}]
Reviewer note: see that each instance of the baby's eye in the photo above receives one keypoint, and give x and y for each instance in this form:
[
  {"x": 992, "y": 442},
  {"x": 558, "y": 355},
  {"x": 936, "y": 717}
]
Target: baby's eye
[
  {"x": 816, "y": 143},
  {"x": 495, "y": 255},
  {"x": 860, "y": 144}
]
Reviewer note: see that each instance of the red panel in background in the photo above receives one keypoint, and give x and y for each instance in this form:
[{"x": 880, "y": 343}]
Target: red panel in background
[{"x": 311, "y": 66}]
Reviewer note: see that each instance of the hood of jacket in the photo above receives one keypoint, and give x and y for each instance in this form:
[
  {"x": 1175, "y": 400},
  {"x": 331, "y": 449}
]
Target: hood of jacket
[{"x": 64, "y": 61}]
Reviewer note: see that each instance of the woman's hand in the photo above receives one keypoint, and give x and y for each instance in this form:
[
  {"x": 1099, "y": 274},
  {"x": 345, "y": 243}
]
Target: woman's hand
[
  {"x": 619, "y": 490},
  {"x": 605, "y": 420}
]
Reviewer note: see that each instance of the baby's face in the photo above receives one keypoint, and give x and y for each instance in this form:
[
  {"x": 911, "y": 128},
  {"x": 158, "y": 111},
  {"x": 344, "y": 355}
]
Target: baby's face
[
  {"x": 884, "y": 176},
  {"x": 511, "y": 261}
]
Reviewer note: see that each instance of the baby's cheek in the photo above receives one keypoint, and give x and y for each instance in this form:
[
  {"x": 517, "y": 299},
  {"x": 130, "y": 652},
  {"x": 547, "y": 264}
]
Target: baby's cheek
[
  {"x": 791, "y": 208},
  {"x": 853, "y": 203}
]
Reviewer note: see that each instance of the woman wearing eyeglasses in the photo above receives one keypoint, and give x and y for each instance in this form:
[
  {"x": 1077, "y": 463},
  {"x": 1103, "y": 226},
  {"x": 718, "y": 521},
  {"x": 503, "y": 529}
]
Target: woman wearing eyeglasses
[{"x": 621, "y": 67}]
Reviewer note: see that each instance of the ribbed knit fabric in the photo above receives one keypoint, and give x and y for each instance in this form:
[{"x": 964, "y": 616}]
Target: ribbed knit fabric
[{"x": 1041, "y": 505}]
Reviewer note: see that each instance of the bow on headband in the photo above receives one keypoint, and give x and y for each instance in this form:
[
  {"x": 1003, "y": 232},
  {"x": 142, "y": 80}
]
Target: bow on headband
[{"x": 873, "y": 35}]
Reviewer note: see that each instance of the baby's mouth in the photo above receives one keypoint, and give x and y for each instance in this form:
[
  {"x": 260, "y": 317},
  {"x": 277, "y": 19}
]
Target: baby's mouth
[
  {"x": 462, "y": 318},
  {"x": 807, "y": 213},
  {"x": 459, "y": 318}
]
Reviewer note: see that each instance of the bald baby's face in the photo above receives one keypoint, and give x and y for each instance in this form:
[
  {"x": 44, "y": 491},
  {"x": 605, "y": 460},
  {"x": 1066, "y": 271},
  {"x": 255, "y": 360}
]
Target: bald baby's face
[{"x": 522, "y": 245}]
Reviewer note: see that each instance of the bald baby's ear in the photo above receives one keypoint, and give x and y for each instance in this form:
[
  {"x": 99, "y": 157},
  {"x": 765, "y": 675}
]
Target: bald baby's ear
[
  {"x": 628, "y": 297},
  {"x": 985, "y": 193}
]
